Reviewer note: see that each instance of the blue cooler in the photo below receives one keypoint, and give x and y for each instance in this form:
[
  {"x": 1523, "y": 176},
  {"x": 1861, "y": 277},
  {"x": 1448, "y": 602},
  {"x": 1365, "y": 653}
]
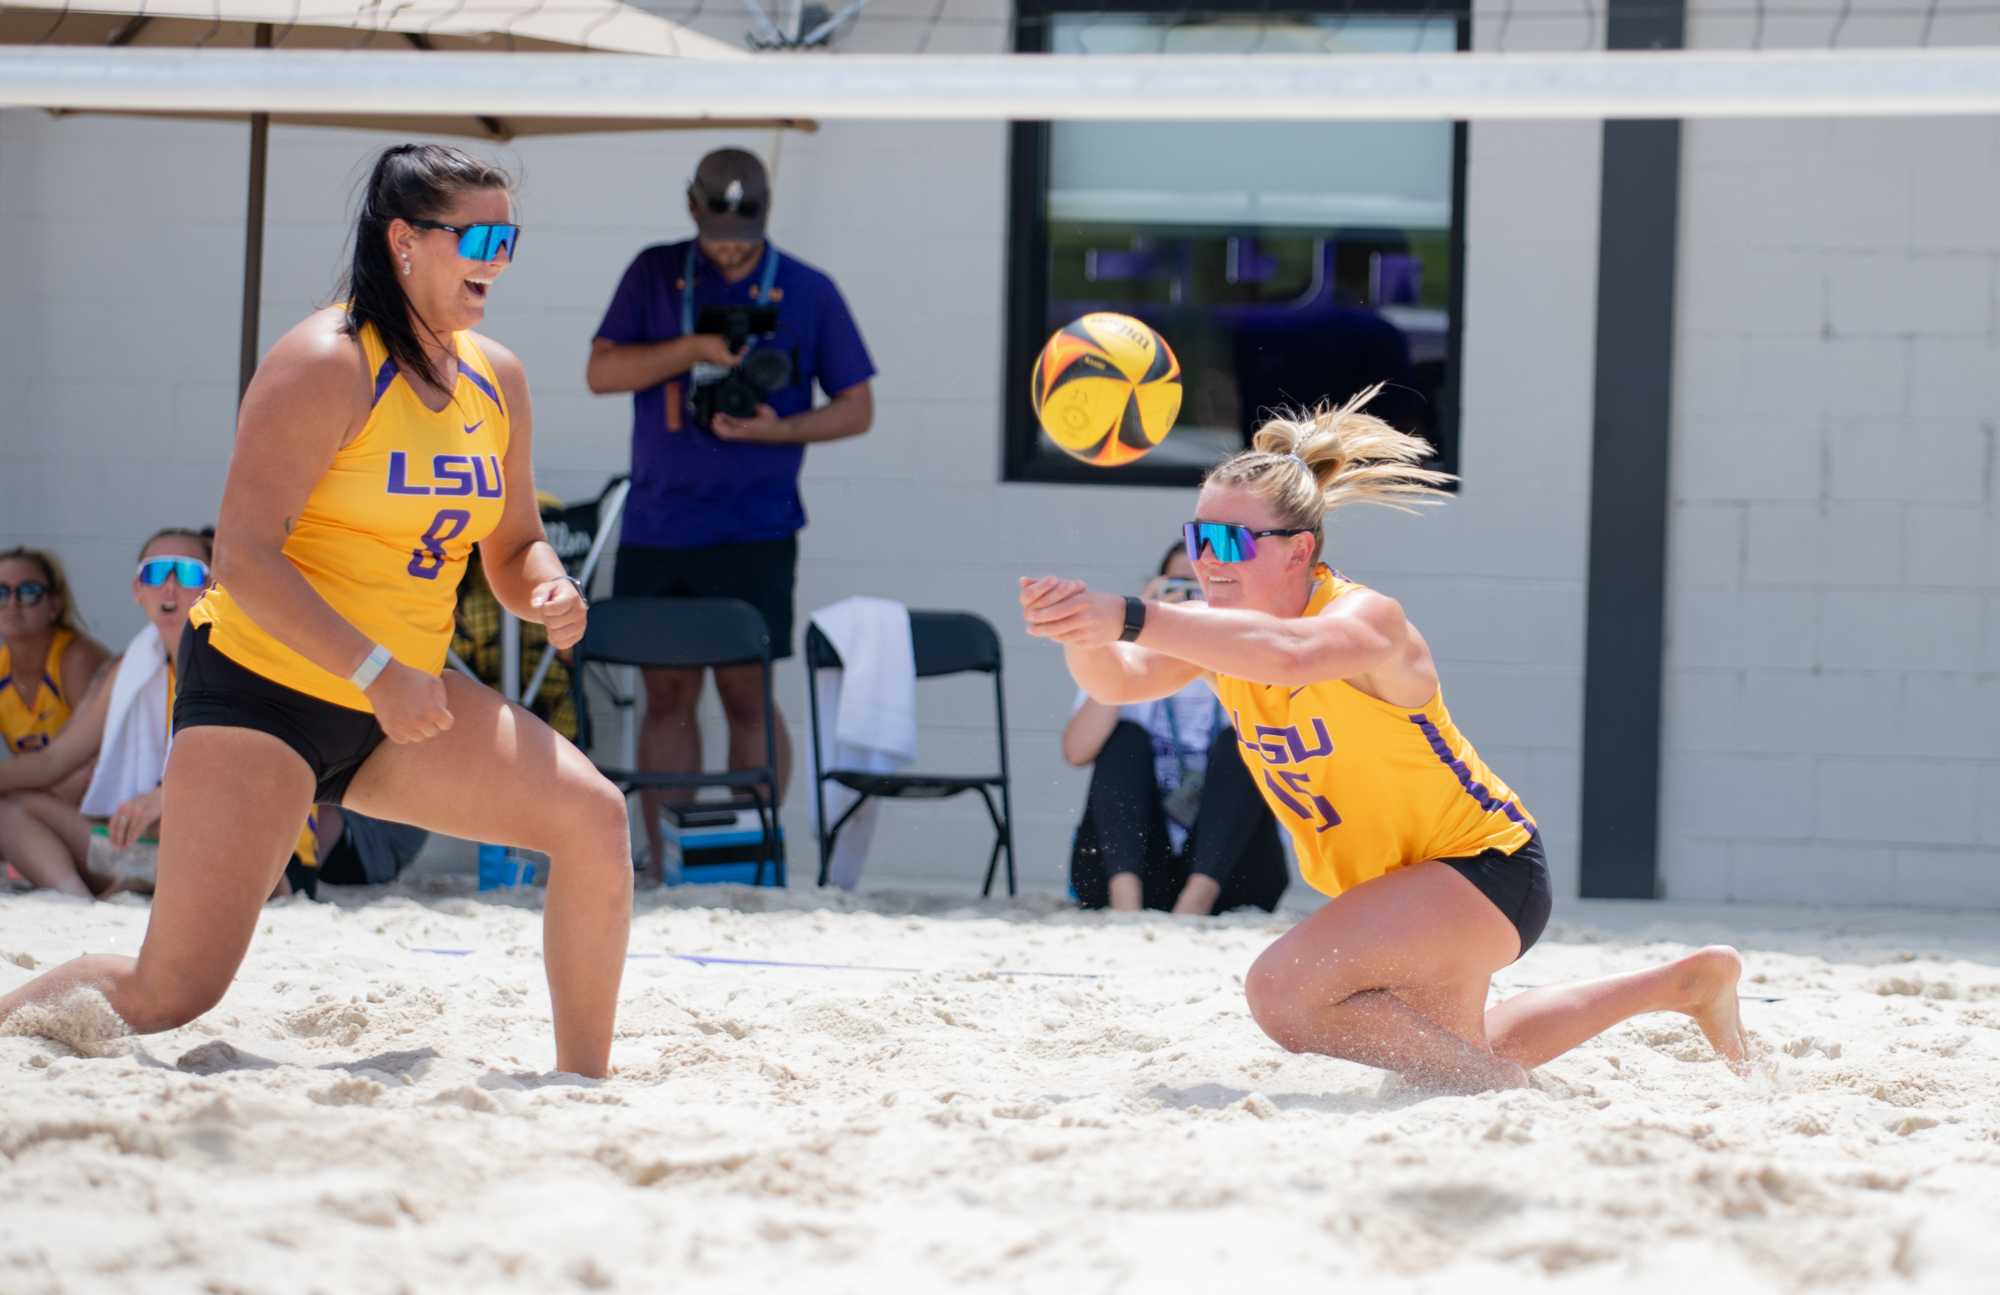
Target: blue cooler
[
  {"x": 502, "y": 869},
  {"x": 707, "y": 845}
]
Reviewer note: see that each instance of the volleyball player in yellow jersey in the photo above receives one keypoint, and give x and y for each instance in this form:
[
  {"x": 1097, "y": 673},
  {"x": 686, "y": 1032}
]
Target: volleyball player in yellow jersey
[
  {"x": 1433, "y": 864},
  {"x": 379, "y": 440},
  {"x": 46, "y": 663}
]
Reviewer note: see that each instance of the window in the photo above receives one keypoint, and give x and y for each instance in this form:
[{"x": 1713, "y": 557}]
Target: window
[{"x": 1285, "y": 262}]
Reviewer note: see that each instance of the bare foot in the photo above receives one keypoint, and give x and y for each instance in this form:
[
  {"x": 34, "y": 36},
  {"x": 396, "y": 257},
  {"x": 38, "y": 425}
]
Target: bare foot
[{"x": 1708, "y": 978}]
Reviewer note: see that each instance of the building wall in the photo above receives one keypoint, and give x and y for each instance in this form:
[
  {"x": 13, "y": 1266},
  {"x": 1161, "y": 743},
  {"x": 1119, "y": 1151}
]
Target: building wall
[
  {"x": 1833, "y": 626},
  {"x": 118, "y": 361}
]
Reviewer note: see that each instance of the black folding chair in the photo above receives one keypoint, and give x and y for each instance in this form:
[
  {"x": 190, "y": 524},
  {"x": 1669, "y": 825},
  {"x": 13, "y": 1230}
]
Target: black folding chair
[
  {"x": 944, "y": 643},
  {"x": 579, "y": 533},
  {"x": 686, "y": 634}
]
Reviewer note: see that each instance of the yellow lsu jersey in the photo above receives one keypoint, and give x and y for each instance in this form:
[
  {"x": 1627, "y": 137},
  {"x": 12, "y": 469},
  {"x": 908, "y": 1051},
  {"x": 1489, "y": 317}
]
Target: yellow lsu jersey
[
  {"x": 32, "y": 711},
  {"x": 1363, "y": 786},
  {"x": 386, "y": 533}
]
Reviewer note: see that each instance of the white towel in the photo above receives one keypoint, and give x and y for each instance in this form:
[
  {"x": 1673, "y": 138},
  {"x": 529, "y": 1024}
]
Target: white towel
[
  {"x": 868, "y": 713},
  {"x": 133, "y": 756}
]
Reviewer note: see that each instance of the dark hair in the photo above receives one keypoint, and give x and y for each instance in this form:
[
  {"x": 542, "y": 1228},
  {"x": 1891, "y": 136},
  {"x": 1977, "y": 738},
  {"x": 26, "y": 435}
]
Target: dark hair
[
  {"x": 1173, "y": 551},
  {"x": 408, "y": 182},
  {"x": 204, "y": 537},
  {"x": 52, "y": 575}
]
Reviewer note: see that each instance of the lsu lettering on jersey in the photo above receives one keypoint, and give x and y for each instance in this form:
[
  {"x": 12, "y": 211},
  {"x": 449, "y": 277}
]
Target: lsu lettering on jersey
[
  {"x": 29, "y": 722},
  {"x": 386, "y": 533},
  {"x": 1363, "y": 786}
]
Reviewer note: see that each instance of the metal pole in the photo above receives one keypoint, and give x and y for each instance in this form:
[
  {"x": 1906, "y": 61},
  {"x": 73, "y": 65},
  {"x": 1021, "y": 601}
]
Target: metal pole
[
  {"x": 1625, "y": 626},
  {"x": 253, "y": 235}
]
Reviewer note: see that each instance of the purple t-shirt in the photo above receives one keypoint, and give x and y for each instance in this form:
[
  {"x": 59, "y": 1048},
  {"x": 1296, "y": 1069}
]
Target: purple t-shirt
[{"x": 691, "y": 489}]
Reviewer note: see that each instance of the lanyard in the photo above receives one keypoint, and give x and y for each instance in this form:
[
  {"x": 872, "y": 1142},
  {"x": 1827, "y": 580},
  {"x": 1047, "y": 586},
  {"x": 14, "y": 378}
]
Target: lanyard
[
  {"x": 764, "y": 287},
  {"x": 1181, "y": 753}
]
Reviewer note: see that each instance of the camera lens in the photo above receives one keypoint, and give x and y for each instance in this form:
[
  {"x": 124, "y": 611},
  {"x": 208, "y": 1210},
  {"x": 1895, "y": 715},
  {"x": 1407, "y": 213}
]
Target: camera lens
[{"x": 767, "y": 369}]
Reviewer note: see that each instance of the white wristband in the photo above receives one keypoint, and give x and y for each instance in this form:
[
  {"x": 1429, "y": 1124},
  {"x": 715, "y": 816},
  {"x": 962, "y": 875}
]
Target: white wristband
[{"x": 364, "y": 674}]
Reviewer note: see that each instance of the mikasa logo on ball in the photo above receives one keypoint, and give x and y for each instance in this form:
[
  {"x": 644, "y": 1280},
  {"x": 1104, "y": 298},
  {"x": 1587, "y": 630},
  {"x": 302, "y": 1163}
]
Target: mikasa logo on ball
[{"x": 1139, "y": 334}]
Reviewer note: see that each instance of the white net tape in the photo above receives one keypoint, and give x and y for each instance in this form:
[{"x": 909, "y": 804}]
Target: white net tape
[
  {"x": 1018, "y": 87},
  {"x": 1531, "y": 59}
]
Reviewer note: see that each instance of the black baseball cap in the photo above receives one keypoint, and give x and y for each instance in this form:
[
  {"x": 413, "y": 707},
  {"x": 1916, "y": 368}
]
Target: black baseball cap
[{"x": 731, "y": 196}]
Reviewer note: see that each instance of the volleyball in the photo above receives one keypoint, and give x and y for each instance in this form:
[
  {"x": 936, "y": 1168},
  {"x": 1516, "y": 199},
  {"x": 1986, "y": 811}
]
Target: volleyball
[{"x": 1106, "y": 389}]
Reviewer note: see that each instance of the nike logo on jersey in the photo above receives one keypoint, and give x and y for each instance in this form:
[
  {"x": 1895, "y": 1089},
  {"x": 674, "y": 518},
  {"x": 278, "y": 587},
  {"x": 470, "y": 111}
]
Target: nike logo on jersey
[{"x": 470, "y": 428}]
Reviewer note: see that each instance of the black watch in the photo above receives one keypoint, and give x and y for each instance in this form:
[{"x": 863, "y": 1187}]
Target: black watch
[{"x": 1135, "y": 619}]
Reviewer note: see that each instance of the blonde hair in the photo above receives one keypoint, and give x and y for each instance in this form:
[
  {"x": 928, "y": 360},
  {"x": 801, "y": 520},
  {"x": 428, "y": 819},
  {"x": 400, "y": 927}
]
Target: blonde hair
[
  {"x": 52, "y": 575},
  {"x": 1306, "y": 464},
  {"x": 204, "y": 537}
]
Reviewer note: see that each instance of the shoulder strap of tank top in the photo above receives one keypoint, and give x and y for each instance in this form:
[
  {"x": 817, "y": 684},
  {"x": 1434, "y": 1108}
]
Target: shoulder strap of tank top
[
  {"x": 381, "y": 369},
  {"x": 52, "y": 668},
  {"x": 476, "y": 367}
]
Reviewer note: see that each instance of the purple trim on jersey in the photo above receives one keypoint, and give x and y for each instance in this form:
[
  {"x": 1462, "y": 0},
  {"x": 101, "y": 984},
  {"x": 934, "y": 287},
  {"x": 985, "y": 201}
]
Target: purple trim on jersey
[
  {"x": 6, "y": 679},
  {"x": 383, "y": 377},
  {"x": 54, "y": 687},
  {"x": 1477, "y": 790},
  {"x": 478, "y": 379}
]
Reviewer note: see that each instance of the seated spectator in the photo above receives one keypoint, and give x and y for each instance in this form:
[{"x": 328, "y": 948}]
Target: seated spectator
[
  {"x": 46, "y": 663},
  {"x": 355, "y": 850},
  {"x": 116, "y": 742},
  {"x": 1173, "y": 820}
]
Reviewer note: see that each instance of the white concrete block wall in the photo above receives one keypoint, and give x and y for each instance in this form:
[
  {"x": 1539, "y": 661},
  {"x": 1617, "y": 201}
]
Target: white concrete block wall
[
  {"x": 1830, "y": 685},
  {"x": 118, "y": 367}
]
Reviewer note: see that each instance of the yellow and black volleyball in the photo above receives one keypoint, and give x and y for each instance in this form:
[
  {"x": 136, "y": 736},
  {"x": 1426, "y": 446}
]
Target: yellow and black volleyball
[{"x": 1106, "y": 389}]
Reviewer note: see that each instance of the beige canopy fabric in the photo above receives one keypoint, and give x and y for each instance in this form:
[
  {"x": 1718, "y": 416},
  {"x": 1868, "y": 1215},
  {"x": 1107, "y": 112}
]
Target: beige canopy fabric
[
  {"x": 460, "y": 26},
  {"x": 454, "y": 25}
]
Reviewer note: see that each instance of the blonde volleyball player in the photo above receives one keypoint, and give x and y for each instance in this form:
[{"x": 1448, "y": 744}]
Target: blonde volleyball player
[
  {"x": 379, "y": 440},
  {"x": 1434, "y": 865}
]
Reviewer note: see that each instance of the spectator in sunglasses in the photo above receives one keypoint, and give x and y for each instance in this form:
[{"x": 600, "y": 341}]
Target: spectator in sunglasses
[
  {"x": 715, "y": 509},
  {"x": 1432, "y": 866},
  {"x": 114, "y": 750},
  {"x": 1172, "y": 820},
  {"x": 47, "y": 663}
]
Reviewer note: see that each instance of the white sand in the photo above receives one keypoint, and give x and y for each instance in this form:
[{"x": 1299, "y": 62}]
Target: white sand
[{"x": 360, "y": 1117}]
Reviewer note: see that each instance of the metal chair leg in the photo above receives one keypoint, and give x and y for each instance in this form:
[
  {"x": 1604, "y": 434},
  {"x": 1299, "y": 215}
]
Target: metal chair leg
[
  {"x": 833, "y": 836},
  {"x": 767, "y": 844},
  {"x": 1003, "y": 836},
  {"x": 992, "y": 864}
]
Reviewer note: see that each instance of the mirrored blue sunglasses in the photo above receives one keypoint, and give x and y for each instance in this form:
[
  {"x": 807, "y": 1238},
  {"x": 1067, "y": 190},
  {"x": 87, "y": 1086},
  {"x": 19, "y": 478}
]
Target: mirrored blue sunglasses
[
  {"x": 192, "y": 573},
  {"x": 479, "y": 242},
  {"x": 1228, "y": 542}
]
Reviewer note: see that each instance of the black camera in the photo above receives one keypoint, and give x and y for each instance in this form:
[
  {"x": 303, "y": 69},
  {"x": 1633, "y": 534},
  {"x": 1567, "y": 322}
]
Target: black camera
[{"x": 738, "y": 391}]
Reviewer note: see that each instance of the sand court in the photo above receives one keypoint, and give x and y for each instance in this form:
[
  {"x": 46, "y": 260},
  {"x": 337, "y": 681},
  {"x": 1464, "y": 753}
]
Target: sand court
[{"x": 986, "y": 1098}]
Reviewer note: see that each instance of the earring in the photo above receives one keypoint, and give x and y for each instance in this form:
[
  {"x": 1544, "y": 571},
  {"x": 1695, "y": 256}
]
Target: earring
[{"x": 406, "y": 264}]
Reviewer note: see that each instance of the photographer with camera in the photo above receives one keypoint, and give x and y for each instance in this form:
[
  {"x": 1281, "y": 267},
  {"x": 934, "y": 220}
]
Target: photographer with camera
[
  {"x": 1172, "y": 820},
  {"x": 720, "y": 340}
]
